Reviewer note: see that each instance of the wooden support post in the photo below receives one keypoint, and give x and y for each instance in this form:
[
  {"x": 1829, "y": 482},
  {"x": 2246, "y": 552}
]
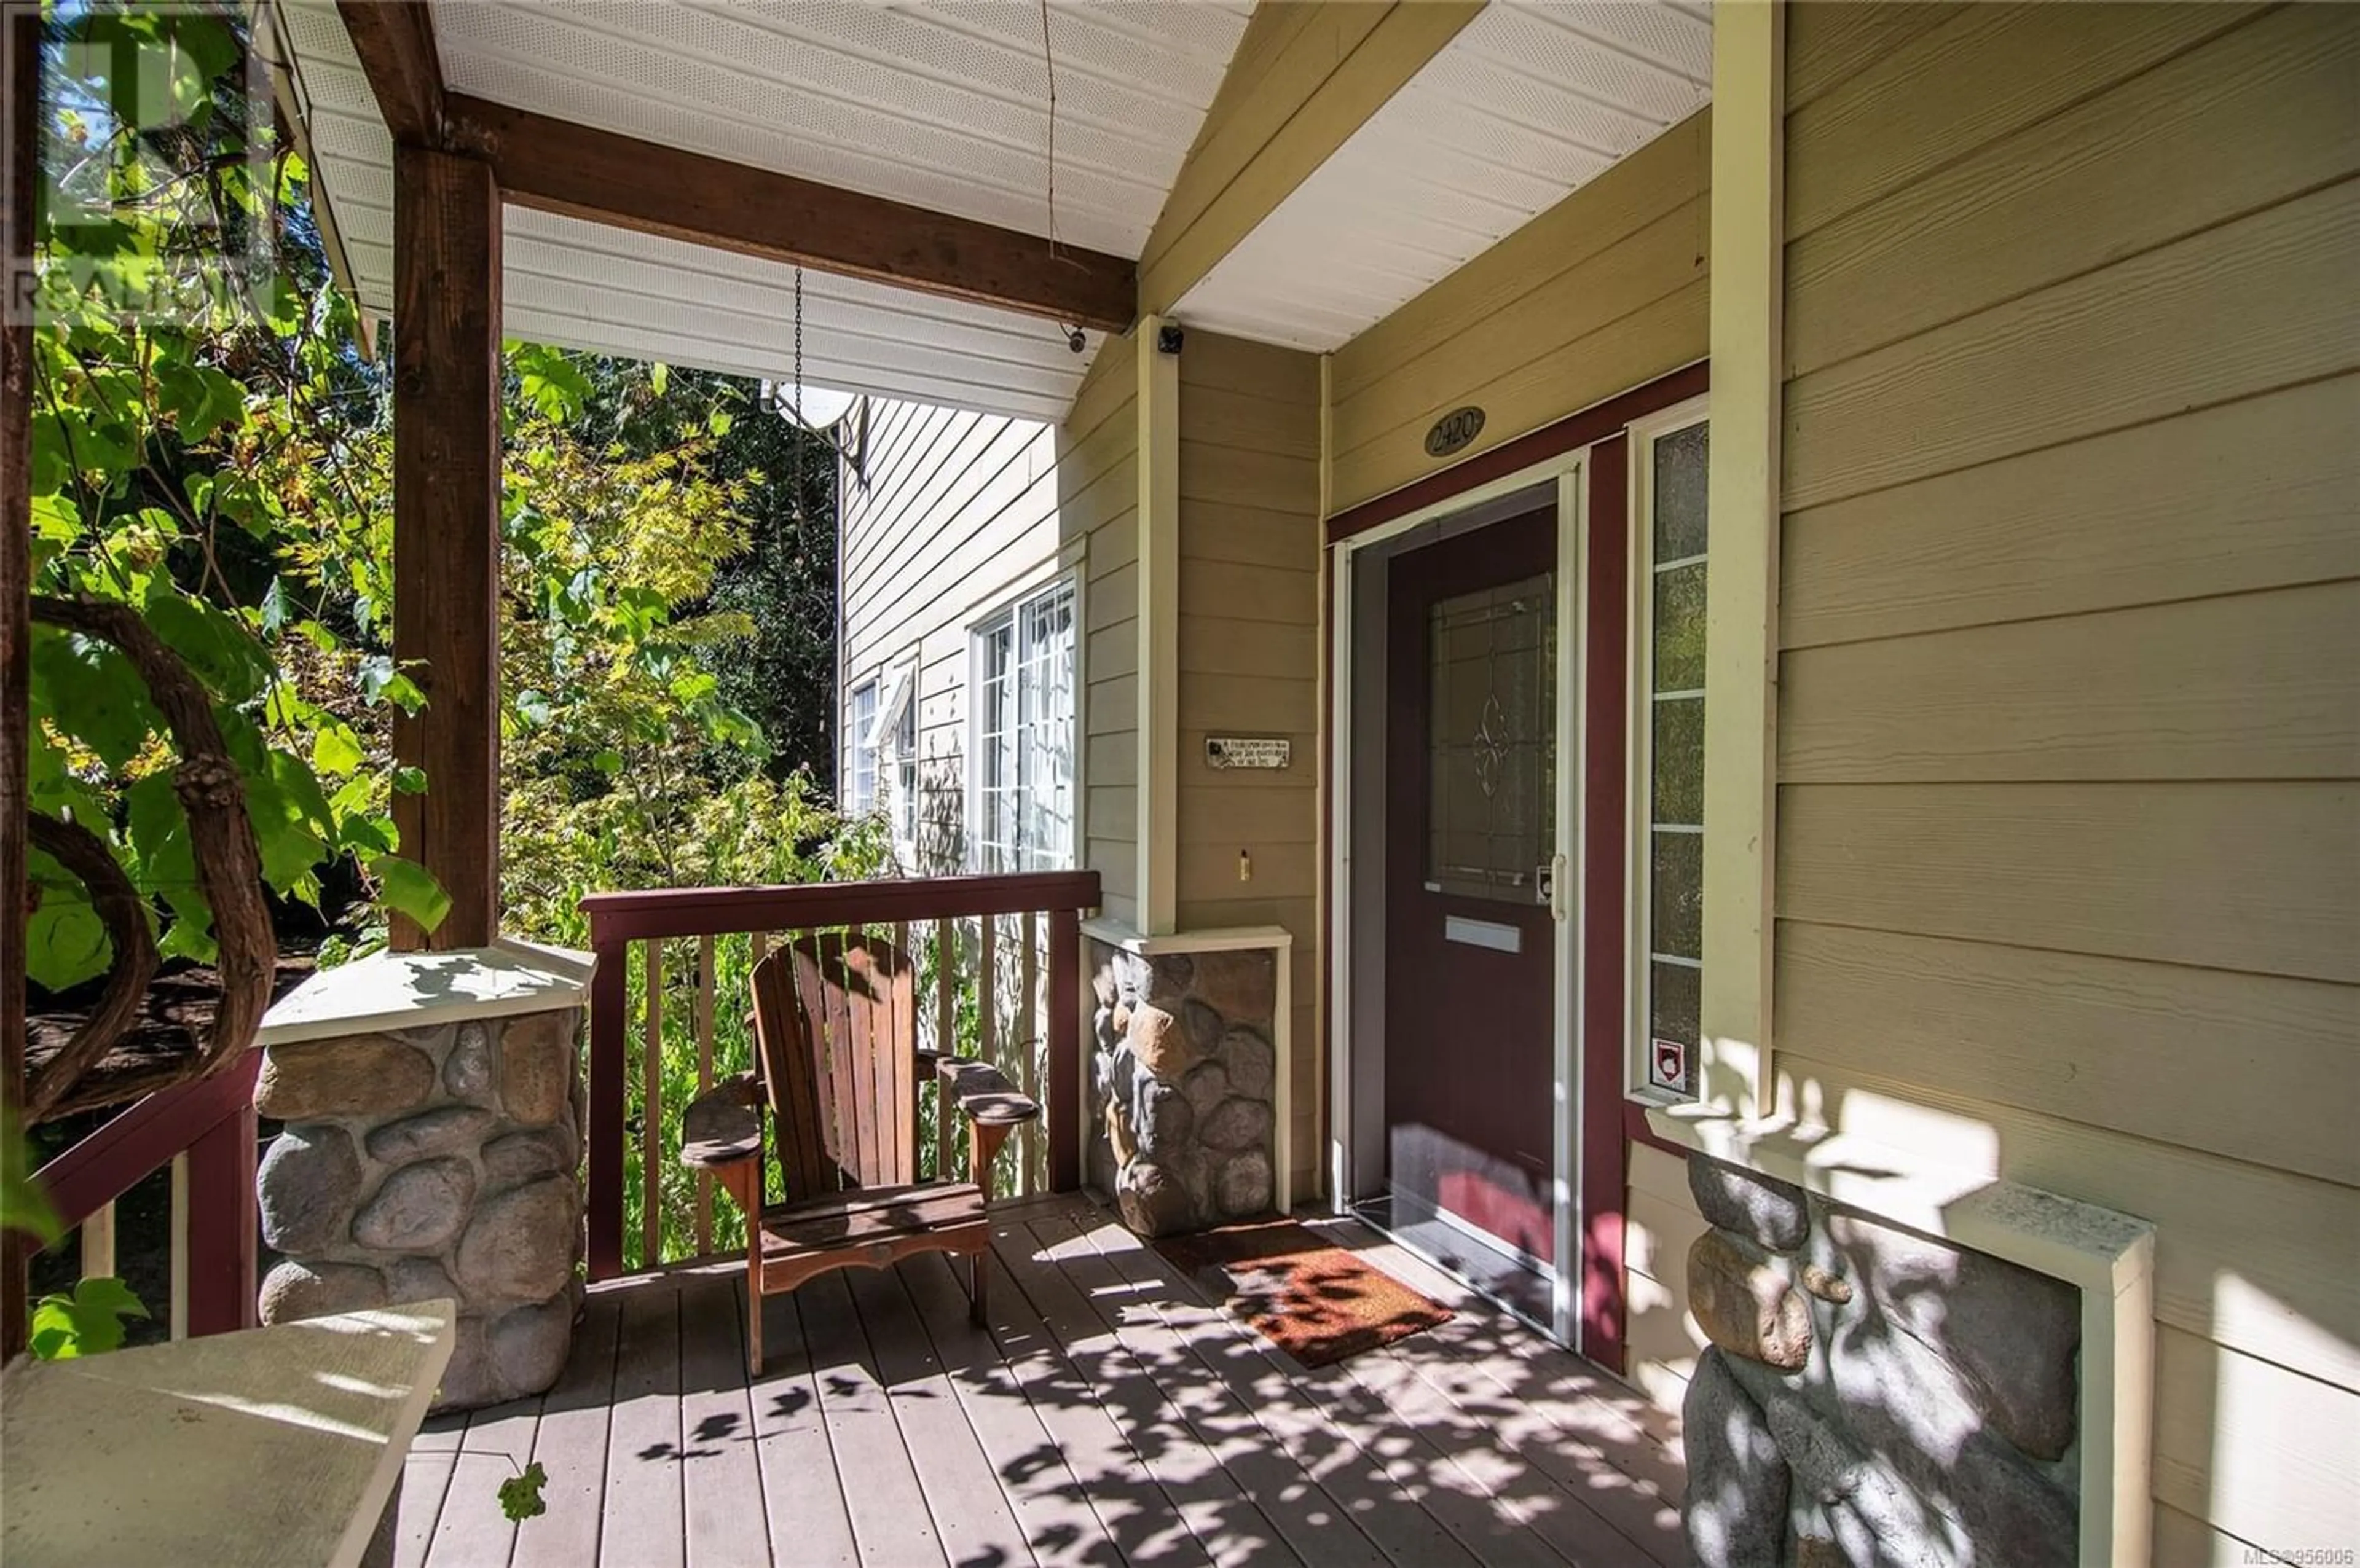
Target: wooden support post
[
  {"x": 1066, "y": 1099},
  {"x": 21, "y": 39},
  {"x": 446, "y": 547},
  {"x": 609, "y": 1004},
  {"x": 223, "y": 1226}
]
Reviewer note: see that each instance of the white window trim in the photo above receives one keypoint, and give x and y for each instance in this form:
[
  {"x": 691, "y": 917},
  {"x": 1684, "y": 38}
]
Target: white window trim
[
  {"x": 1063, "y": 576},
  {"x": 853, "y": 744},
  {"x": 1638, "y": 803},
  {"x": 901, "y": 695}
]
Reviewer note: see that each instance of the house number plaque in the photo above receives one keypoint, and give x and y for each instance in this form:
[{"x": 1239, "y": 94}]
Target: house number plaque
[{"x": 1454, "y": 430}]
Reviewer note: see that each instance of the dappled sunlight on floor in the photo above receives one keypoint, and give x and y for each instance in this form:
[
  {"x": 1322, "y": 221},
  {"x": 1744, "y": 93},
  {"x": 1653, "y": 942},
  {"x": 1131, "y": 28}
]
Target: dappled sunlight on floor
[{"x": 1112, "y": 1413}]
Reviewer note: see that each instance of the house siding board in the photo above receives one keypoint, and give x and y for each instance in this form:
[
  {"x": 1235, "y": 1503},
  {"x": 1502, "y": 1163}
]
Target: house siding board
[
  {"x": 957, "y": 512},
  {"x": 1098, "y": 508},
  {"x": 2069, "y": 458},
  {"x": 1249, "y": 664},
  {"x": 1600, "y": 293}
]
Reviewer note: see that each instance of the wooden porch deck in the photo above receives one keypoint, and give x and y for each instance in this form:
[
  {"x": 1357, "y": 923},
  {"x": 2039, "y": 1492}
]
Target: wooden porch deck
[{"x": 1112, "y": 1416}]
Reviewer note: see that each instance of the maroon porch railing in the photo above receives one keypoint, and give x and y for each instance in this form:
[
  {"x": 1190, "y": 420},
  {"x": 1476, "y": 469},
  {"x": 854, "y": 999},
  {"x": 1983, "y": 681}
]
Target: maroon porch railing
[
  {"x": 216, "y": 1218},
  {"x": 986, "y": 944}
]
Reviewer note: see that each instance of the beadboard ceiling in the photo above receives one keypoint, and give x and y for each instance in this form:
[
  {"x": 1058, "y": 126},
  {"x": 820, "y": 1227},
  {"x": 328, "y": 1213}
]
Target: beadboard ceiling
[
  {"x": 943, "y": 105},
  {"x": 1530, "y": 101}
]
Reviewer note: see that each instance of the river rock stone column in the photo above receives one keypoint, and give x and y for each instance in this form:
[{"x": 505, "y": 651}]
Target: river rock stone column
[
  {"x": 429, "y": 1152},
  {"x": 1872, "y": 1396},
  {"x": 1186, "y": 1079}
]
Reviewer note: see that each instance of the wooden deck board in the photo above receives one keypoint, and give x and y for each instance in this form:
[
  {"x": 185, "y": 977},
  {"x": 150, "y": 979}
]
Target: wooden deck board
[
  {"x": 1355, "y": 1473},
  {"x": 1111, "y": 1415},
  {"x": 643, "y": 1522},
  {"x": 720, "y": 1475},
  {"x": 800, "y": 1491},
  {"x": 570, "y": 1444},
  {"x": 1293, "y": 1499}
]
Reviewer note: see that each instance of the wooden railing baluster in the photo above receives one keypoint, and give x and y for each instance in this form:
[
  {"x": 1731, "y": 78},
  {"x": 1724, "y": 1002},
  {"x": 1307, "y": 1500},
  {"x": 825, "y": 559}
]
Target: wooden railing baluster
[
  {"x": 1028, "y": 1044},
  {"x": 1067, "y": 1104},
  {"x": 905, "y": 907},
  {"x": 946, "y": 1036},
  {"x": 98, "y": 1244},
  {"x": 652, "y": 1116},
  {"x": 706, "y": 954},
  {"x": 987, "y": 1012}
]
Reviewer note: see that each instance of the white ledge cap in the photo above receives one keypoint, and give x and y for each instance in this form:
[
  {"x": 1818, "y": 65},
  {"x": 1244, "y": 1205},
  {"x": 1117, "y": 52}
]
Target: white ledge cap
[
  {"x": 2096, "y": 1249},
  {"x": 419, "y": 990},
  {"x": 1211, "y": 939}
]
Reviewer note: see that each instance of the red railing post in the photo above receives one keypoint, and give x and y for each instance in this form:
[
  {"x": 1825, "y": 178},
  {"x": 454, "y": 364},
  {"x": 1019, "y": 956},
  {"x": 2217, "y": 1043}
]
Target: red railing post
[
  {"x": 1065, "y": 1050},
  {"x": 224, "y": 1223},
  {"x": 609, "y": 996}
]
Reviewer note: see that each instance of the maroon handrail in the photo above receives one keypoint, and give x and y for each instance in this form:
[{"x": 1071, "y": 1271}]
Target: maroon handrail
[
  {"x": 211, "y": 1121},
  {"x": 617, "y": 920}
]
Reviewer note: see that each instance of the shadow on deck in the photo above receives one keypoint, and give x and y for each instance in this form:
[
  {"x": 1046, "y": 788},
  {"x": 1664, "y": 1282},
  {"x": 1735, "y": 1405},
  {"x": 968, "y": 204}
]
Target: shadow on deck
[{"x": 1112, "y": 1416}]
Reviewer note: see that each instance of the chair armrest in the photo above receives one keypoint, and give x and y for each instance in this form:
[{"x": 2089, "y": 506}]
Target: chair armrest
[
  {"x": 722, "y": 1127},
  {"x": 984, "y": 1094}
]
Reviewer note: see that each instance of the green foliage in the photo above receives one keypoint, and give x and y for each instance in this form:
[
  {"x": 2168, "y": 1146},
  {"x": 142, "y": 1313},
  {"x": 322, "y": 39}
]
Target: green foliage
[
  {"x": 24, "y": 1207},
  {"x": 200, "y": 466},
  {"x": 521, "y": 1497},
  {"x": 87, "y": 1322}
]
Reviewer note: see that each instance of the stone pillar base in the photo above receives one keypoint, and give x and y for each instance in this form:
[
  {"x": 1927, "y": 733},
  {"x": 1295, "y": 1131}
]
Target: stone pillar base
[
  {"x": 433, "y": 1107},
  {"x": 1186, "y": 1080}
]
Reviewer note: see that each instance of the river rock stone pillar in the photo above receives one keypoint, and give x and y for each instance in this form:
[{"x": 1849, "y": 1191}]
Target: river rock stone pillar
[
  {"x": 1185, "y": 1074},
  {"x": 1872, "y": 1395},
  {"x": 432, "y": 1108}
]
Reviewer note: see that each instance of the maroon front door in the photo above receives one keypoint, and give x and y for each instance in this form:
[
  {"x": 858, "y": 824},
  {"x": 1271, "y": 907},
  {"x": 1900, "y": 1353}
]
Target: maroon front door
[{"x": 1470, "y": 828}]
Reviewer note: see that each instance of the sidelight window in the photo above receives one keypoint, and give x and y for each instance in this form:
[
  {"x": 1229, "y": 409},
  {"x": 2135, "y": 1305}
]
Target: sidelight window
[{"x": 1668, "y": 751}]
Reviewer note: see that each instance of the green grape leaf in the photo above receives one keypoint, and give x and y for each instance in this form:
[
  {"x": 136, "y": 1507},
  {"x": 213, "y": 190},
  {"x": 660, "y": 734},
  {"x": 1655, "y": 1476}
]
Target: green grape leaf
[
  {"x": 409, "y": 888},
  {"x": 409, "y": 780},
  {"x": 65, "y": 941},
  {"x": 23, "y": 1205},
  {"x": 337, "y": 750},
  {"x": 220, "y": 652},
  {"x": 92, "y": 693},
  {"x": 520, "y": 1498},
  {"x": 87, "y": 1322}
]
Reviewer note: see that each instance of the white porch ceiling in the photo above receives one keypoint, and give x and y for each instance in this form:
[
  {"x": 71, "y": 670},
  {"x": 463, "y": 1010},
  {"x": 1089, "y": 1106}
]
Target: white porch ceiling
[
  {"x": 942, "y": 105},
  {"x": 1532, "y": 99}
]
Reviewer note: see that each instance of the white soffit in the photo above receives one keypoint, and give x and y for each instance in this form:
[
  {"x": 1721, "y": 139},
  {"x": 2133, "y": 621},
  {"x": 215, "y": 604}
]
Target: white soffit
[
  {"x": 1532, "y": 99},
  {"x": 942, "y": 105}
]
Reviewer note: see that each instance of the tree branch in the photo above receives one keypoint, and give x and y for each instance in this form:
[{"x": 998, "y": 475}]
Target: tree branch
[
  {"x": 119, "y": 905},
  {"x": 220, "y": 836}
]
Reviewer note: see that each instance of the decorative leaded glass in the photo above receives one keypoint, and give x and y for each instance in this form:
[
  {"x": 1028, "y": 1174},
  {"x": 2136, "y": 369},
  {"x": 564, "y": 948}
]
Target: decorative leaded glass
[{"x": 1491, "y": 805}]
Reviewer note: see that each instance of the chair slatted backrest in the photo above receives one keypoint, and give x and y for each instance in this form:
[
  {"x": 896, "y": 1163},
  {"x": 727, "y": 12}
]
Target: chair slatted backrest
[{"x": 836, "y": 1024}]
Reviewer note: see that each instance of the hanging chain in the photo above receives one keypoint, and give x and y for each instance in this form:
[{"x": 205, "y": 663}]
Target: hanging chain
[{"x": 803, "y": 429}]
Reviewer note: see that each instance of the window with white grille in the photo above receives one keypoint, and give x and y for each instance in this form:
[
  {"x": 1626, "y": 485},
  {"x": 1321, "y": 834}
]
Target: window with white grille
[{"x": 1024, "y": 734}]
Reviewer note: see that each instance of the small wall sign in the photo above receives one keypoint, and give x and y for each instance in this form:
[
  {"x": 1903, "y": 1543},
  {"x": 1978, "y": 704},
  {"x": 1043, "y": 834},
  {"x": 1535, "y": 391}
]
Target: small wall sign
[
  {"x": 1454, "y": 430},
  {"x": 1668, "y": 1064}
]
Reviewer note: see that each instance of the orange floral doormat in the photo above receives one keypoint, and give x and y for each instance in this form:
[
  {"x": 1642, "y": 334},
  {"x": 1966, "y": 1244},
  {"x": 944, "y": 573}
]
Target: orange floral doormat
[{"x": 1317, "y": 1303}]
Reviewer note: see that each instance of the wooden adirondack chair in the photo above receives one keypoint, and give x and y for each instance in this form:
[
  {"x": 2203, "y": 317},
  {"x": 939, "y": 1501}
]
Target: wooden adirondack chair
[{"x": 839, "y": 1071}]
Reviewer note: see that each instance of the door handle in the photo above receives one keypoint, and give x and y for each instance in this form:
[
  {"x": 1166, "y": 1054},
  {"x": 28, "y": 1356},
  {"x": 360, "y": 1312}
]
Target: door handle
[{"x": 1548, "y": 885}]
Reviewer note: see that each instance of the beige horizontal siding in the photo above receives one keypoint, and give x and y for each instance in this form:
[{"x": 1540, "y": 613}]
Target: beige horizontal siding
[
  {"x": 1600, "y": 293},
  {"x": 2069, "y": 832},
  {"x": 1097, "y": 503},
  {"x": 1249, "y": 664}
]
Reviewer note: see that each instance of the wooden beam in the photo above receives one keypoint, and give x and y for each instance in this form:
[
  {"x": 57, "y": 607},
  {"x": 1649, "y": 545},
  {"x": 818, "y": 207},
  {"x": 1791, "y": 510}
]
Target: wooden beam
[
  {"x": 446, "y": 527},
  {"x": 555, "y": 166},
  {"x": 395, "y": 40},
  {"x": 19, "y": 171}
]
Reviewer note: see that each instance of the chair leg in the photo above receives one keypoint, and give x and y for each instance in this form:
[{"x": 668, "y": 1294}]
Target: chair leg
[
  {"x": 978, "y": 1289},
  {"x": 754, "y": 1320}
]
